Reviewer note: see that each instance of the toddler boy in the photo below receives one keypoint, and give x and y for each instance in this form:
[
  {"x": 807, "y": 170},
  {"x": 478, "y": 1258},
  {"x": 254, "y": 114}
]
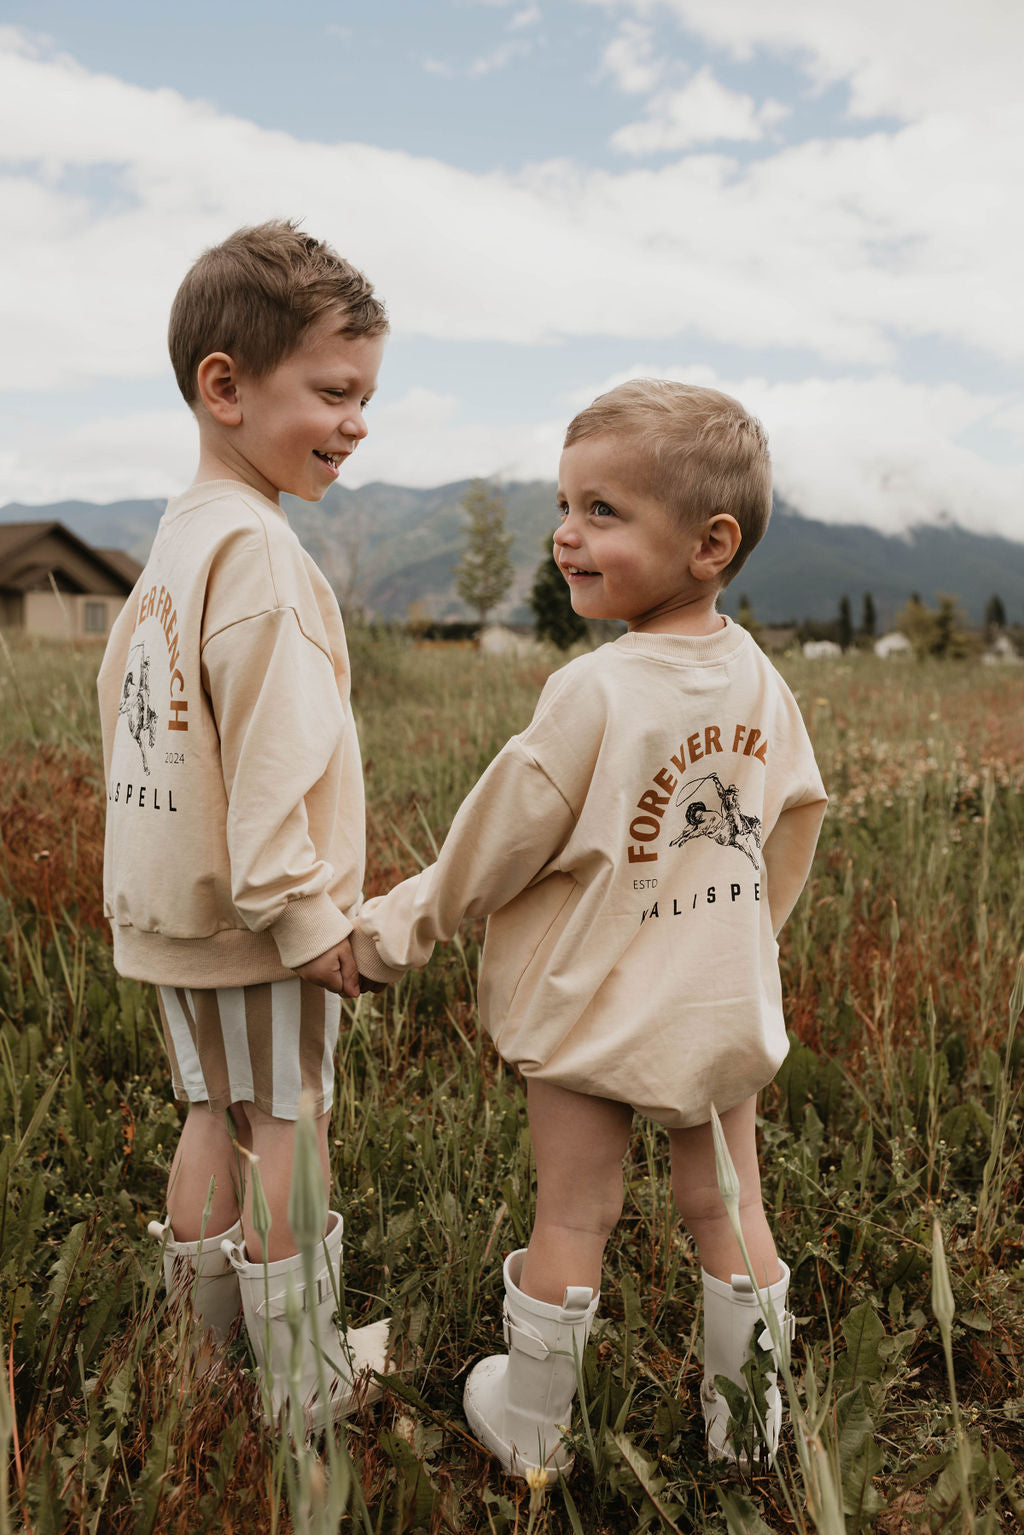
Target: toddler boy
[
  {"x": 637, "y": 850},
  {"x": 235, "y": 824}
]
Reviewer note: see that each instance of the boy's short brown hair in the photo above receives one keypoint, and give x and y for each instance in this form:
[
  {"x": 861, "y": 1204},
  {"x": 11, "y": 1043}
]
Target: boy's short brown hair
[
  {"x": 257, "y": 293},
  {"x": 702, "y": 452}
]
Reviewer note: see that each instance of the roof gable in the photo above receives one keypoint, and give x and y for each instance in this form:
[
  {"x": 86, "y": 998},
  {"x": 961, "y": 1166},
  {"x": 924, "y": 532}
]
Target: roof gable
[{"x": 34, "y": 555}]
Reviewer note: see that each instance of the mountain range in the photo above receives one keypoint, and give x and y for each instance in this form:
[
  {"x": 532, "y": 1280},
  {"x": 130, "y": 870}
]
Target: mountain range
[{"x": 393, "y": 550}]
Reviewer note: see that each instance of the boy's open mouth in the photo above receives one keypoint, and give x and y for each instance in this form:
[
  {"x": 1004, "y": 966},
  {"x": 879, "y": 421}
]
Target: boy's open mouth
[
  {"x": 577, "y": 570},
  {"x": 334, "y": 459}
]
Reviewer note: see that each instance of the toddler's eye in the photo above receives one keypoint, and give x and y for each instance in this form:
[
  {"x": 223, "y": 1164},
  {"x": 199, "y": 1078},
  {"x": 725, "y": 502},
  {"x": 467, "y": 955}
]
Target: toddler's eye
[
  {"x": 561, "y": 512},
  {"x": 602, "y": 509}
]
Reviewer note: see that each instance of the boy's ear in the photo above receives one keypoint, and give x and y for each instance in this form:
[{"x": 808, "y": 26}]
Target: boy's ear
[
  {"x": 217, "y": 388},
  {"x": 719, "y": 540}
]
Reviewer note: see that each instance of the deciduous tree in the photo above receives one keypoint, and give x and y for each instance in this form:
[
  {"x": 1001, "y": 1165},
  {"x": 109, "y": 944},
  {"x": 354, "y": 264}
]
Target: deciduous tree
[{"x": 485, "y": 573}]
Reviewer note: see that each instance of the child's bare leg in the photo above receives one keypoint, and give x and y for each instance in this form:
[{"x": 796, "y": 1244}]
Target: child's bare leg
[
  {"x": 700, "y": 1203},
  {"x": 578, "y": 1146},
  {"x": 205, "y": 1150},
  {"x": 272, "y": 1142}
]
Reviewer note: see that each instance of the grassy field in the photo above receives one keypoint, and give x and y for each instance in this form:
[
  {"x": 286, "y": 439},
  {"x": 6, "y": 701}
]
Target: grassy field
[{"x": 891, "y": 1155}]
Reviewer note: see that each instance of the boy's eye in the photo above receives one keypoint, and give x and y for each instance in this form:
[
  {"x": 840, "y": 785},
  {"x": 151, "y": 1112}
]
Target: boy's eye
[
  {"x": 602, "y": 509},
  {"x": 561, "y": 511}
]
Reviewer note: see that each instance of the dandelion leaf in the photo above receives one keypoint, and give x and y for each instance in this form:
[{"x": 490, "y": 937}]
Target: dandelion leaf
[{"x": 863, "y": 1333}]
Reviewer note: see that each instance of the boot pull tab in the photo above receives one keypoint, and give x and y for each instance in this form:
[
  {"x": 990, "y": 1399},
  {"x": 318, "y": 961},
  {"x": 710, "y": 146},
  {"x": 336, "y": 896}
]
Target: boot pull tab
[
  {"x": 234, "y": 1252},
  {"x": 577, "y": 1298},
  {"x": 742, "y": 1284}
]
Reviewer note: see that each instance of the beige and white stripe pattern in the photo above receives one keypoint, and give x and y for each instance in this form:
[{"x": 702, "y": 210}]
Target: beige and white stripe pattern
[{"x": 264, "y": 1044}]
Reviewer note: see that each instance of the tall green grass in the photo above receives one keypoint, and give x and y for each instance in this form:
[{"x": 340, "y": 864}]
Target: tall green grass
[{"x": 891, "y": 1156}]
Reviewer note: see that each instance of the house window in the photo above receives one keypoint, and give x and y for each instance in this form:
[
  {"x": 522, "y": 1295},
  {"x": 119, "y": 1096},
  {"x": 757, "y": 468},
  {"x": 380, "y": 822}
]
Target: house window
[{"x": 95, "y": 618}]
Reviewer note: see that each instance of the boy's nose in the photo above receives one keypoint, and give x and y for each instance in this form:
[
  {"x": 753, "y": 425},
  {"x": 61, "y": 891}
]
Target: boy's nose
[
  {"x": 355, "y": 425},
  {"x": 566, "y": 534}
]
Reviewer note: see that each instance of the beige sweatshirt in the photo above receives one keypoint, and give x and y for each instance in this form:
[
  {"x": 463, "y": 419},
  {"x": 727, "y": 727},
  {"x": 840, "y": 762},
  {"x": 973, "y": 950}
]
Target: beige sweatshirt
[
  {"x": 636, "y": 850},
  {"x": 235, "y": 821}
]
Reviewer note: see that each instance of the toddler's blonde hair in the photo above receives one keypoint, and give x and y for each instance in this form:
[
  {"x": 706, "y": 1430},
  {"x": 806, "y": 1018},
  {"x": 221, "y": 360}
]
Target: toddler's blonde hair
[{"x": 701, "y": 453}]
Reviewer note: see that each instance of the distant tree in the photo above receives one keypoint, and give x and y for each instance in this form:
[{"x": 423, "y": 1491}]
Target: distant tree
[
  {"x": 845, "y": 623},
  {"x": 918, "y": 623},
  {"x": 485, "y": 572},
  {"x": 940, "y": 632},
  {"x": 868, "y": 619},
  {"x": 995, "y": 615},
  {"x": 553, "y": 614}
]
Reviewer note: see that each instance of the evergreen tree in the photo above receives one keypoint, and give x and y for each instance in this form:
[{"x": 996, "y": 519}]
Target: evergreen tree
[
  {"x": 868, "y": 618},
  {"x": 995, "y": 614},
  {"x": 554, "y": 616},
  {"x": 485, "y": 572},
  {"x": 844, "y": 626}
]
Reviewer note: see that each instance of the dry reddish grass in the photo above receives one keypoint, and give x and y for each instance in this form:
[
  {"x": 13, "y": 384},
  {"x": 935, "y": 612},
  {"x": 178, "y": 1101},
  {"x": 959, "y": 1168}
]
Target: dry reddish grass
[{"x": 51, "y": 832}]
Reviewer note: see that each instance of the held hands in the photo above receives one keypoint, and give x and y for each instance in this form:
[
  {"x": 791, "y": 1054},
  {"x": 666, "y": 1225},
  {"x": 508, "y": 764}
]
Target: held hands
[{"x": 334, "y": 970}]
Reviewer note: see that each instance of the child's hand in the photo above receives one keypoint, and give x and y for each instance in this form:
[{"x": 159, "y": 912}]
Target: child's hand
[{"x": 334, "y": 970}]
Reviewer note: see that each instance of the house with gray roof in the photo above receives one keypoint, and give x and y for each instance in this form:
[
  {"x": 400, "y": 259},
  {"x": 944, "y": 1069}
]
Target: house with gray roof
[{"x": 55, "y": 585}]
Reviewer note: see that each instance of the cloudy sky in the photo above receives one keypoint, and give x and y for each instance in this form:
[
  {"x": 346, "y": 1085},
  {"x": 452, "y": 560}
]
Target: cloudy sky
[{"x": 812, "y": 204}]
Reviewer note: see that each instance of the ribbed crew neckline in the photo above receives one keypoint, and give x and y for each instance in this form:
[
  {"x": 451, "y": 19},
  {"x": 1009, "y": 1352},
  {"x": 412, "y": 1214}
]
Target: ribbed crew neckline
[
  {"x": 213, "y": 490},
  {"x": 688, "y": 649}
]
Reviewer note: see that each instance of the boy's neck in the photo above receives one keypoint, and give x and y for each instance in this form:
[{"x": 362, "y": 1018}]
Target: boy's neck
[
  {"x": 217, "y": 461},
  {"x": 695, "y": 617}
]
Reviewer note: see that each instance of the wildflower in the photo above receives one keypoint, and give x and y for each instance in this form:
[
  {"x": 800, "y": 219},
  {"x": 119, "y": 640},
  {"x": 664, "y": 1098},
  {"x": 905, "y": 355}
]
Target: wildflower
[{"x": 537, "y": 1481}]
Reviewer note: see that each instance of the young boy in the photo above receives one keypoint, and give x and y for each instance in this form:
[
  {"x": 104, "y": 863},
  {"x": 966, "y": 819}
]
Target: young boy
[
  {"x": 235, "y": 825},
  {"x": 637, "y": 850}
]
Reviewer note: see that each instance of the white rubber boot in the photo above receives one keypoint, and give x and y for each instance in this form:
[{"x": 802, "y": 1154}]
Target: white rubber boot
[
  {"x": 200, "y": 1273},
  {"x": 517, "y": 1404},
  {"x": 283, "y": 1345},
  {"x": 735, "y": 1328}
]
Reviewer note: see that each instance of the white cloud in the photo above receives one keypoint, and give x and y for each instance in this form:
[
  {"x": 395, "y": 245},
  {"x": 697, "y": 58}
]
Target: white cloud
[
  {"x": 843, "y": 248},
  {"x": 427, "y": 438},
  {"x": 529, "y": 16},
  {"x": 880, "y": 451},
  {"x": 629, "y": 59},
  {"x": 839, "y": 247},
  {"x": 703, "y": 111},
  {"x": 110, "y": 458},
  {"x": 905, "y": 58}
]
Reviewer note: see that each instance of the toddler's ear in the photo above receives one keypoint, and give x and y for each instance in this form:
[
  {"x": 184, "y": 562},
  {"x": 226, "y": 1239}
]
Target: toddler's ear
[
  {"x": 217, "y": 386},
  {"x": 720, "y": 539}
]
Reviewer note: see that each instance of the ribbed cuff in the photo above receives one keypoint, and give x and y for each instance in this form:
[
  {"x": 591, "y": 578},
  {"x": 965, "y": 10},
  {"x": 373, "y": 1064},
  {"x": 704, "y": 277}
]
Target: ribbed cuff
[
  {"x": 369, "y": 962},
  {"x": 307, "y": 928}
]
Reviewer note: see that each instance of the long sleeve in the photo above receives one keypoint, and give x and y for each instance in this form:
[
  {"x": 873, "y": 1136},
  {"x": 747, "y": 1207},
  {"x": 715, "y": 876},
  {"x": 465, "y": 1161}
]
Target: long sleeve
[
  {"x": 787, "y": 856},
  {"x": 280, "y": 720},
  {"x": 506, "y": 832}
]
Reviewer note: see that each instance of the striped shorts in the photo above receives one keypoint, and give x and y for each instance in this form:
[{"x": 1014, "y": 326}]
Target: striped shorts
[{"x": 264, "y": 1045}]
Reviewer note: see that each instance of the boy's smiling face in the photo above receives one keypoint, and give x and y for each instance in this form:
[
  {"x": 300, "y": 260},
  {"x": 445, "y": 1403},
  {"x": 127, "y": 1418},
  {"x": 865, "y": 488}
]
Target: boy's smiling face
[
  {"x": 623, "y": 554},
  {"x": 296, "y": 425}
]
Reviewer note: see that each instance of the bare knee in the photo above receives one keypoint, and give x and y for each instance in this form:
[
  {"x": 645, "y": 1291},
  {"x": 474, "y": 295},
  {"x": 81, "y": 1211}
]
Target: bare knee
[{"x": 698, "y": 1206}]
